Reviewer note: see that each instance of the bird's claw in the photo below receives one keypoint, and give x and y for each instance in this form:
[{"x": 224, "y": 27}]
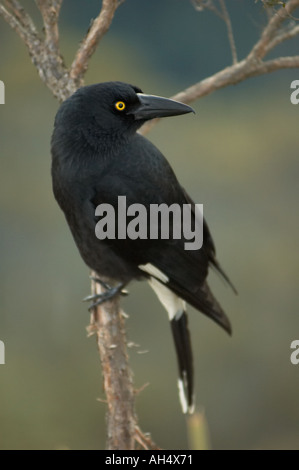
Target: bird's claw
[
  {"x": 110, "y": 293},
  {"x": 99, "y": 281},
  {"x": 106, "y": 286}
]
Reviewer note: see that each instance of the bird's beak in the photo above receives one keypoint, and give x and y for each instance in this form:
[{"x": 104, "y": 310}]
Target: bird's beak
[{"x": 156, "y": 107}]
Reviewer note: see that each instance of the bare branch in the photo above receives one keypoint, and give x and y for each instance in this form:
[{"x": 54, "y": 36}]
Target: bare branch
[
  {"x": 13, "y": 22},
  {"x": 261, "y": 48},
  {"x": 275, "y": 64},
  {"x": 201, "y": 5},
  {"x": 233, "y": 75},
  {"x": 222, "y": 13},
  {"x": 21, "y": 14},
  {"x": 45, "y": 54},
  {"x": 48, "y": 61},
  {"x": 19, "y": 21},
  {"x": 283, "y": 36},
  {"x": 251, "y": 66},
  {"x": 50, "y": 10},
  {"x": 107, "y": 322},
  {"x": 229, "y": 76},
  {"x": 226, "y": 18},
  {"x": 99, "y": 27}
]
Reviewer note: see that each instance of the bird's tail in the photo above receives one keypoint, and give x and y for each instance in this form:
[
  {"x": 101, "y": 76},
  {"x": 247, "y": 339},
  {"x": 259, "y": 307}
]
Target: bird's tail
[
  {"x": 176, "y": 309},
  {"x": 182, "y": 341}
]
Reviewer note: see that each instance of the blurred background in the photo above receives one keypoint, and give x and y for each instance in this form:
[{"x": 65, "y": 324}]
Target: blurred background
[{"x": 239, "y": 157}]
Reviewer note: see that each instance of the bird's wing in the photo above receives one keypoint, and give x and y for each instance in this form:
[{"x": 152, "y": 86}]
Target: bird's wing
[
  {"x": 209, "y": 245},
  {"x": 182, "y": 271},
  {"x": 185, "y": 271}
]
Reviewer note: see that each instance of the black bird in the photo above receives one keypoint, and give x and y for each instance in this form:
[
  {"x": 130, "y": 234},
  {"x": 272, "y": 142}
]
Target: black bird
[{"x": 97, "y": 155}]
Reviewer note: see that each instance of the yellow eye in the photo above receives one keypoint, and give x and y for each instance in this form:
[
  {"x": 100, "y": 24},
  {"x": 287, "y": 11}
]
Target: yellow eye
[{"x": 120, "y": 105}]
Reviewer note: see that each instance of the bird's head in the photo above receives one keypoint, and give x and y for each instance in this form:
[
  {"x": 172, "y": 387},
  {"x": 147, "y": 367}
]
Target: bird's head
[{"x": 114, "y": 107}]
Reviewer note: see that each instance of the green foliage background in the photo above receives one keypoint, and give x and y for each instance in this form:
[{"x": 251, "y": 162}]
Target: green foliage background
[{"x": 239, "y": 157}]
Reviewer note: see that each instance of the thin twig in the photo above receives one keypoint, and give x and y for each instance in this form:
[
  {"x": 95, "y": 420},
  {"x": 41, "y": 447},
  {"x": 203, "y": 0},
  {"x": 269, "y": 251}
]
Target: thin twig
[
  {"x": 145, "y": 441},
  {"x": 227, "y": 20},
  {"x": 201, "y": 5},
  {"x": 222, "y": 13},
  {"x": 97, "y": 30}
]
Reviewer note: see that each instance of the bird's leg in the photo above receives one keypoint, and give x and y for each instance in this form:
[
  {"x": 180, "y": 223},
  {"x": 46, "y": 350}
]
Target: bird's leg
[{"x": 109, "y": 293}]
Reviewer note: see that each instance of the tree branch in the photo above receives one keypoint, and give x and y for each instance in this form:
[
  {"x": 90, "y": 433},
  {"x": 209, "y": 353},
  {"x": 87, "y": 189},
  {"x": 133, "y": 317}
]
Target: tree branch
[
  {"x": 222, "y": 13},
  {"x": 45, "y": 53},
  {"x": 261, "y": 48},
  {"x": 251, "y": 66},
  {"x": 47, "y": 60},
  {"x": 107, "y": 322},
  {"x": 283, "y": 36},
  {"x": 99, "y": 27},
  {"x": 226, "y": 77},
  {"x": 275, "y": 64},
  {"x": 227, "y": 20},
  {"x": 209, "y": 5},
  {"x": 19, "y": 21},
  {"x": 50, "y": 10}
]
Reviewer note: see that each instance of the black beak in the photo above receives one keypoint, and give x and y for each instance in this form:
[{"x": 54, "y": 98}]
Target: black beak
[{"x": 156, "y": 107}]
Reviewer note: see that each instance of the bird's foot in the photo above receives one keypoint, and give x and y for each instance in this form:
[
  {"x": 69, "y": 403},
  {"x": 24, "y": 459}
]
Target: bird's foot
[
  {"x": 108, "y": 287},
  {"x": 109, "y": 294}
]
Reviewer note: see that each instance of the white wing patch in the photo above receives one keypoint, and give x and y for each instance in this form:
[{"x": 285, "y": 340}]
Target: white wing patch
[
  {"x": 171, "y": 302},
  {"x": 153, "y": 271}
]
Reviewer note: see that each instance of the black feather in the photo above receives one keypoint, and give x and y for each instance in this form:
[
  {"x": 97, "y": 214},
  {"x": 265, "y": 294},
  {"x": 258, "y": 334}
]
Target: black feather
[{"x": 182, "y": 342}]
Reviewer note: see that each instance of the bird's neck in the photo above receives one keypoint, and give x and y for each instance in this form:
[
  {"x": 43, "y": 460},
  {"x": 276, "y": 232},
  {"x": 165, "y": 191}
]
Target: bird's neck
[
  {"x": 91, "y": 145},
  {"x": 105, "y": 143}
]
